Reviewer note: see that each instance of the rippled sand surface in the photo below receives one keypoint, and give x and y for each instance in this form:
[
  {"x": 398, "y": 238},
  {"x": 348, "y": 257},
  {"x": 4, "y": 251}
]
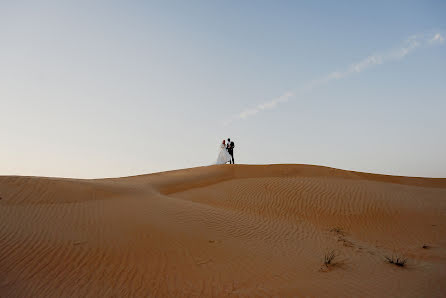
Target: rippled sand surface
[{"x": 230, "y": 230}]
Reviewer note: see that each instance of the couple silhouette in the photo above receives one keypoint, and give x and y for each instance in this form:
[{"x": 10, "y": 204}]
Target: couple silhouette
[{"x": 226, "y": 153}]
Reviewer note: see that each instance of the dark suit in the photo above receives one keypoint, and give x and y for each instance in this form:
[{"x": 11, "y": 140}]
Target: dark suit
[{"x": 231, "y": 151}]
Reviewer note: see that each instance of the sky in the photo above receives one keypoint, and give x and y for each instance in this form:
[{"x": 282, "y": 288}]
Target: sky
[{"x": 92, "y": 89}]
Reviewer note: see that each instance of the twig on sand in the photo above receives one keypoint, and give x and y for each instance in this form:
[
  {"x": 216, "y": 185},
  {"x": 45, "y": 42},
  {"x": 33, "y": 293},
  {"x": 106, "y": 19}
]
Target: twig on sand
[{"x": 338, "y": 230}]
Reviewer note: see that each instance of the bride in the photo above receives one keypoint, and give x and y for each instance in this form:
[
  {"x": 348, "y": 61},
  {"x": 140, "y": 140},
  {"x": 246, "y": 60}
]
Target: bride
[{"x": 223, "y": 156}]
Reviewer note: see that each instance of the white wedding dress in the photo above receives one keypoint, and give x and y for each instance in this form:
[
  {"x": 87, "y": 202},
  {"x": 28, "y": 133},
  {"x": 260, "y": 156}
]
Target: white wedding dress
[{"x": 223, "y": 156}]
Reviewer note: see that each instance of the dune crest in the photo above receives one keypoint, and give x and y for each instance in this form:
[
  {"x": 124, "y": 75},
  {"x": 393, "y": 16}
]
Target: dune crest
[{"x": 229, "y": 230}]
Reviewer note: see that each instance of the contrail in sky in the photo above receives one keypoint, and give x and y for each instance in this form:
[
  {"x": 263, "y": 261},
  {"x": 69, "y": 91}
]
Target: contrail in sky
[{"x": 412, "y": 43}]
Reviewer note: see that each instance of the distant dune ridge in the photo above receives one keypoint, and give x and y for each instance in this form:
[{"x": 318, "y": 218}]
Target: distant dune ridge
[{"x": 228, "y": 230}]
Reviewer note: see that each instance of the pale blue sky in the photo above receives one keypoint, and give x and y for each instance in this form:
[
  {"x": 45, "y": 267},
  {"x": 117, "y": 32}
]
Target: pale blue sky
[{"x": 114, "y": 88}]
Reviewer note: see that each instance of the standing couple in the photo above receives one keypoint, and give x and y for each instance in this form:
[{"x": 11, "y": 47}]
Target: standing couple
[{"x": 226, "y": 152}]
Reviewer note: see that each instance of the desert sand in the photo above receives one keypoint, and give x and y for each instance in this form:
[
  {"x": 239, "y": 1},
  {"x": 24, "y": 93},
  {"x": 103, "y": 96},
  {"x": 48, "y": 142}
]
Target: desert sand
[{"x": 229, "y": 230}]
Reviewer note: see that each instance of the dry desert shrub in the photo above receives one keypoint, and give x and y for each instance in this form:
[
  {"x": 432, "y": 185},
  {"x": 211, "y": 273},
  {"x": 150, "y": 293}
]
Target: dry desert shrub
[
  {"x": 397, "y": 260},
  {"x": 329, "y": 261},
  {"x": 329, "y": 257}
]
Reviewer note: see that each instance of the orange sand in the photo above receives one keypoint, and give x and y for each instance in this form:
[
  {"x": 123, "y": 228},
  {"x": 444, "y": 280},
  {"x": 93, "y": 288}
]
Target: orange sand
[{"x": 223, "y": 231}]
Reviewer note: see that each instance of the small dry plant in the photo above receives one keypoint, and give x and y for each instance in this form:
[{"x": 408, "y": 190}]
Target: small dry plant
[
  {"x": 329, "y": 261},
  {"x": 329, "y": 257},
  {"x": 396, "y": 260}
]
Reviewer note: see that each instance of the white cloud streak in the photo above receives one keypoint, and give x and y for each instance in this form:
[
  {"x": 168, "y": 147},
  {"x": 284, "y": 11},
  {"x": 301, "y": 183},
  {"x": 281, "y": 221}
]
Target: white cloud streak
[
  {"x": 438, "y": 38},
  {"x": 412, "y": 43}
]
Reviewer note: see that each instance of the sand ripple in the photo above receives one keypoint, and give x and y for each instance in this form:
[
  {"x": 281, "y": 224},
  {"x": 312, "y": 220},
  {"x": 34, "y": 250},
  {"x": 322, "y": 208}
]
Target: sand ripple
[{"x": 223, "y": 231}]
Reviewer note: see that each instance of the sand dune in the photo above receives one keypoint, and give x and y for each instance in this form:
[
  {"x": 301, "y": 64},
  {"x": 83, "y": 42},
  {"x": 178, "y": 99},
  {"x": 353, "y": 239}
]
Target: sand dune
[{"x": 223, "y": 231}]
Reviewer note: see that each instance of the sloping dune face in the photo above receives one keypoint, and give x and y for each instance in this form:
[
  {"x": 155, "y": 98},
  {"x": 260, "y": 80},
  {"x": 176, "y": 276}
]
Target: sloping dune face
[{"x": 238, "y": 231}]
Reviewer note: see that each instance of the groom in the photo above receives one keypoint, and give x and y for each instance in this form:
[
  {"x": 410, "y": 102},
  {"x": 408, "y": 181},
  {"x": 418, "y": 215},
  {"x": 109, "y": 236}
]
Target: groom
[{"x": 230, "y": 147}]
